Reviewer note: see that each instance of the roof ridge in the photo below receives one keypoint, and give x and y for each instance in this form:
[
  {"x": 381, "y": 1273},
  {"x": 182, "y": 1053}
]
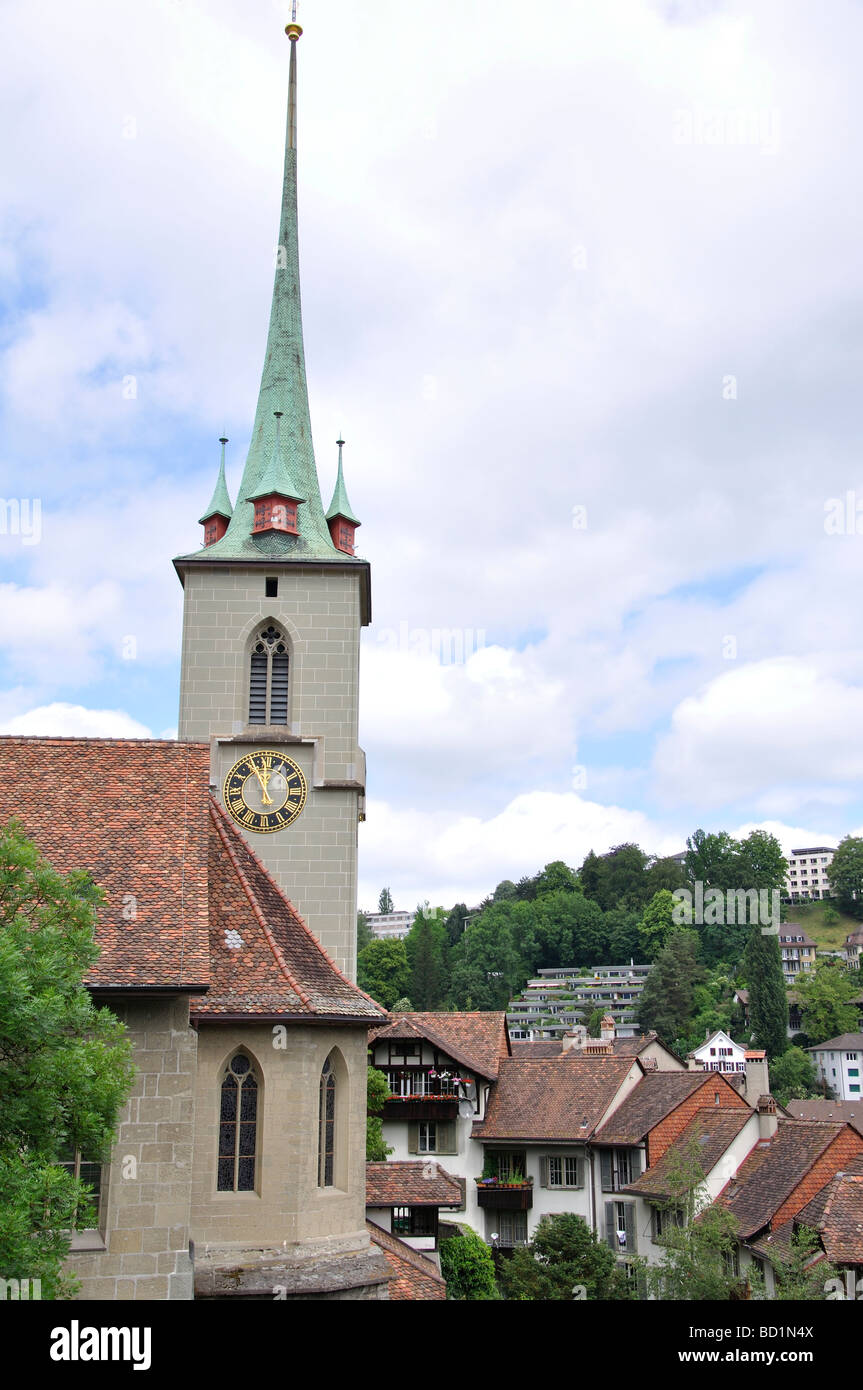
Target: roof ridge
[
  {"x": 405, "y": 1251},
  {"x": 214, "y": 803},
  {"x": 247, "y": 889}
]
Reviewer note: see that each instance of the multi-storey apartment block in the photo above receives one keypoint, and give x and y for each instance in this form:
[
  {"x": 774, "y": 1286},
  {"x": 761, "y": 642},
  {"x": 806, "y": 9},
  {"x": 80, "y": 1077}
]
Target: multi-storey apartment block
[{"x": 807, "y": 873}]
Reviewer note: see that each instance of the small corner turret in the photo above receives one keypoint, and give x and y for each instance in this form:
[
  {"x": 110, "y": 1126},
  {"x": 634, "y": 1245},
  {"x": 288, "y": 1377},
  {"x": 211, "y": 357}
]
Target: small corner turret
[
  {"x": 340, "y": 519},
  {"x": 218, "y": 514}
]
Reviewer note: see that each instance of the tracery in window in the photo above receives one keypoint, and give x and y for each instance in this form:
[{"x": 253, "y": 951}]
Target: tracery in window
[
  {"x": 268, "y": 678},
  {"x": 238, "y": 1126}
]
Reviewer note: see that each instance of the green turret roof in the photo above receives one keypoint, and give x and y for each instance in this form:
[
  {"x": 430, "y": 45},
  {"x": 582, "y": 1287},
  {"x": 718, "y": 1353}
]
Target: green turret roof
[
  {"x": 220, "y": 504},
  {"x": 283, "y": 388},
  {"x": 276, "y": 477},
  {"x": 340, "y": 506}
]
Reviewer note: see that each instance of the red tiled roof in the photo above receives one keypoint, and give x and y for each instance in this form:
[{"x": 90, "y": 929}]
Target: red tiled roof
[
  {"x": 413, "y": 1183},
  {"x": 475, "y": 1040},
  {"x": 712, "y": 1129},
  {"x": 536, "y": 1099},
  {"x": 655, "y": 1096},
  {"x": 138, "y": 815},
  {"x": 770, "y": 1174},
  {"x": 836, "y": 1213},
  {"x": 264, "y": 959},
  {"x": 134, "y": 814},
  {"x": 415, "y": 1278},
  {"x": 848, "y": 1111}
]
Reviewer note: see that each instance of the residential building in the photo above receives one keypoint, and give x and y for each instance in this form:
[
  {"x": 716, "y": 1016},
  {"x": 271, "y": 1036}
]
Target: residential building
[
  {"x": 787, "y": 1168},
  {"x": 839, "y": 1063},
  {"x": 719, "y": 1053},
  {"x": 853, "y": 948},
  {"x": 556, "y": 1000},
  {"x": 389, "y": 926},
  {"x": 849, "y": 1111},
  {"x": 797, "y": 951},
  {"x": 835, "y": 1214},
  {"x": 807, "y": 873},
  {"x": 406, "y": 1198}
]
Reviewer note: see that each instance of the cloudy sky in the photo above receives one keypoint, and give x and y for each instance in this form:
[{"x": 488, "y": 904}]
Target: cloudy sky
[{"x": 582, "y": 288}]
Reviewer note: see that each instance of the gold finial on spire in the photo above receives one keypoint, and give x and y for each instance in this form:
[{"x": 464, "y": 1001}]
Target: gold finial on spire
[{"x": 293, "y": 29}]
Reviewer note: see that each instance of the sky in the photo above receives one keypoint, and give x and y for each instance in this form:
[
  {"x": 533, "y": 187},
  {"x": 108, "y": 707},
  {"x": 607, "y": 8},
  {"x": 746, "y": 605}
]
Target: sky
[{"x": 582, "y": 288}]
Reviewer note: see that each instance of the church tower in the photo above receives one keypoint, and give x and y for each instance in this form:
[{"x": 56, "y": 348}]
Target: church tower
[{"x": 273, "y": 607}]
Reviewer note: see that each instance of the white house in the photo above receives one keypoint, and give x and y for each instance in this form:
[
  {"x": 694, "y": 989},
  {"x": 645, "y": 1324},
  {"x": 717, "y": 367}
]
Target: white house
[
  {"x": 718, "y": 1053},
  {"x": 839, "y": 1062}
]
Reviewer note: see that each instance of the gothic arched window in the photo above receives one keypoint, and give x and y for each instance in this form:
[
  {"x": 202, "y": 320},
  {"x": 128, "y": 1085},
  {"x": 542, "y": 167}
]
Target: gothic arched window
[
  {"x": 268, "y": 680},
  {"x": 327, "y": 1131},
  {"x": 238, "y": 1126}
]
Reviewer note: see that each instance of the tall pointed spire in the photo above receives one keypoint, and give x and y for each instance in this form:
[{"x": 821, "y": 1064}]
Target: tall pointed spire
[
  {"x": 283, "y": 389},
  {"x": 218, "y": 514},
  {"x": 340, "y": 519}
]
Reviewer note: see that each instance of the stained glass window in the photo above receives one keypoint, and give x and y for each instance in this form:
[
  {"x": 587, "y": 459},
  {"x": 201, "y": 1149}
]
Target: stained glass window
[{"x": 238, "y": 1122}]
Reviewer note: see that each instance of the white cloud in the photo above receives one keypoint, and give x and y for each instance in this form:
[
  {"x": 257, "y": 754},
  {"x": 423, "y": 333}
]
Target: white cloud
[
  {"x": 772, "y": 724},
  {"x": 74, "y": 721}
]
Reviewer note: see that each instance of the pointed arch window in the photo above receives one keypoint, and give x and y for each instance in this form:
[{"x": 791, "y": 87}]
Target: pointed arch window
[
  {"x": 268, "y": 678},
  {"x": 238, "y": 1126},
  {"x": 327, "y": 1133}
]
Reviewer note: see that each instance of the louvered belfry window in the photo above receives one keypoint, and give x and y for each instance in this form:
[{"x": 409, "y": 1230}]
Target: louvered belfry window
[{"x": 268, "y": 678}]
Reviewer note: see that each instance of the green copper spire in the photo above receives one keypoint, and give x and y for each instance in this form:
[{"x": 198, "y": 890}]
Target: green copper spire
[
  {"x": 340, "y": 506},
  {"x": 220, "y": 504},
  {"x": 276, "y": 477},
  {"x": 291, "y": 470}
]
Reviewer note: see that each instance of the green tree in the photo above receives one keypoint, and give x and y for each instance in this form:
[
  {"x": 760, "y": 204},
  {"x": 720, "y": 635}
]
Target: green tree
[
  {"x": 385, "y": 901},
  {"x": 594, "y": 1023},
  {"x": 402, "y": 1006},
  {"x": 426, "y": 947},
  {"x": 65, "y": 1066},
  {"x": 377, "y": 1090},
  {"x": 505, "y": 891},
  {"x": 616, "y": 879},
  {"x": 556, "y": 877},
  {"x": 760, "y": 863},
  {"x": 467, "y": 1266},
  {"x": 845, "y": 876},
  {"x": 824, "y": 995},
  {"x": 364, "y": 932},
  {"x": 829, "y": 916},
  {"x": 667, "y": 1000},
  {"x": 665, "y": 873},
  {"x": 563, "y": 1254},
  {"x": 383, "y": 971},
  {"x": 657, "y": 924},
  {"x": 796, "y": 1278},
  {"x": 768, "y": 1001},
  {"x": 793, "y": 1076},
  {"x": 620, "y": 934},
  {"x": 697, "y": 1254},
  {"x": 455, "y": 924}
]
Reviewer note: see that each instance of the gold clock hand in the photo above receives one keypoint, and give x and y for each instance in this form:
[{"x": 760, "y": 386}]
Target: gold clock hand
[{"x": 265, "y": 798}]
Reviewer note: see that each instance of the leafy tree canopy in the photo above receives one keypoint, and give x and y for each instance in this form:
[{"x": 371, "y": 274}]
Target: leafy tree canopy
[
  {"x": 824, "y": 995},
  {"x": 385, "y": 901},
  {"x": 563, "y": 1254},
  {"x": 793, "y": 1076},
  {"x": 467, "y": 1266},
  {"x": 65, "y": 1066},
  {"x": 383, "y": 971},
  {"x": 377, "y": 1090},
  {"x": 845, "y": 876}
]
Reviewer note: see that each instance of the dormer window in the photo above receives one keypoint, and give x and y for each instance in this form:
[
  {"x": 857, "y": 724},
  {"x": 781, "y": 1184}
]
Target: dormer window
[{"x": 276, "y": 513}]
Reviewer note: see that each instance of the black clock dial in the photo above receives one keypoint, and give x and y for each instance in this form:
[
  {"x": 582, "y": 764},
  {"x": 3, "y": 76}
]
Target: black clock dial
[{"x": 265, "y": 791}]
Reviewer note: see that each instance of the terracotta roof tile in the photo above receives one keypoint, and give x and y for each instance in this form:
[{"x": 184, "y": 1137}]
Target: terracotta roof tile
[
  {"x": 537, "y": 1099},
  {"x": 414, "y": 1277},
  {"x": 770, "y": 1174},
  {"x": 412, "y": 1183},
  {"x": 713, "y": 1129},
  {"x": 655, "y": 1096},
  {"x": 265, "y": 960},
  {"x": 134, "y": 814},
  {"x": 836, "y": 1213},
  {"x": 848, "y": 1111},
  {"x": 475, "y": 1040}
]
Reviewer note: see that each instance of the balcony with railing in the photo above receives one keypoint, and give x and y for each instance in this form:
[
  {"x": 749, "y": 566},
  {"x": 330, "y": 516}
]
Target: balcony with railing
[{"x": 423, "y": 1094}]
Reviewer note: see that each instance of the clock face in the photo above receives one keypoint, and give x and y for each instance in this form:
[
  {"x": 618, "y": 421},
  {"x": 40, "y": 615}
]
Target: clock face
[{"x": 265, "y": 791}]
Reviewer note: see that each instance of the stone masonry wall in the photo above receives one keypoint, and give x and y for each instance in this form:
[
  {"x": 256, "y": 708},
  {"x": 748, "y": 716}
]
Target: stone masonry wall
[{"x": 146, "y": 1201}]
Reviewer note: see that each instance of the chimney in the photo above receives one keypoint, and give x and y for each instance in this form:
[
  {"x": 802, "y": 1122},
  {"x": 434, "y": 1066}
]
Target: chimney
[
  {"x": 575, "y": 1038},
  {"x": 757, "y": 1082},
  {"x": 607, "y": 1029},
  {"x": 768, "y": 1120}
]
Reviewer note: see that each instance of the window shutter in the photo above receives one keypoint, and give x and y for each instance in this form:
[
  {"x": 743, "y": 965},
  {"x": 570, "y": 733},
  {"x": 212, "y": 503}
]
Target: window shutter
[
  {"x": 629, "y": 1227},
  {"x": 446, "y": 1137},
  {"x": 606, "y": 1179},
  {"x": 258, "y": 689},
  {"x": 654, "y": 1223},
  {"x": 580, "y": 1172},
  {"x": 413, "y": 1137},
  {"x": 543, "y": 1171},
  {"x": 610, "y": 1226}
]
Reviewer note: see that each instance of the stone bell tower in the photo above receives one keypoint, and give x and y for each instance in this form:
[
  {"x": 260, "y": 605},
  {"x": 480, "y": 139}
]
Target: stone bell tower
[{"x": 273, "y": 607}]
